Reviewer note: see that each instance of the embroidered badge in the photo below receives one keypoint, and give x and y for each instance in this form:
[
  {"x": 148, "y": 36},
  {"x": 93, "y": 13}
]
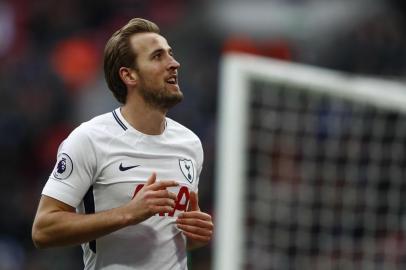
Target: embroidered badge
[
  {"x": 64, "y": 167},
  {"x": 186, "y": 166}
]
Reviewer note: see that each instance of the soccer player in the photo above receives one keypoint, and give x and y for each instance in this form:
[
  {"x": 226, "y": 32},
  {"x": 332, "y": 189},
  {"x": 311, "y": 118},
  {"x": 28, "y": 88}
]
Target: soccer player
[{"x": 125, "y": 183}]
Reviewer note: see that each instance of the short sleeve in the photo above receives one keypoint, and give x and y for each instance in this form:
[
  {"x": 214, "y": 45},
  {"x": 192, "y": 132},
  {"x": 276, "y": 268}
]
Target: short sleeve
[
  {"x": 74, "y": 171},
  {"x": 199, "y": 164}
]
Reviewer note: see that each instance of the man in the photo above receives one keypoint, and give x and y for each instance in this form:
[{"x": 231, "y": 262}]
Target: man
[{"x": 104, "y": 192}]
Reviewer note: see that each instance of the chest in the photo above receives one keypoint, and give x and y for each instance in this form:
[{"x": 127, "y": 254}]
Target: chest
[{"x": 124, "y": 172}]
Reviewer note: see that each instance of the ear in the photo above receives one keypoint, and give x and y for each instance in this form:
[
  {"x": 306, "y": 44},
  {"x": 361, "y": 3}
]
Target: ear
[{"x": 128, "y": 76}]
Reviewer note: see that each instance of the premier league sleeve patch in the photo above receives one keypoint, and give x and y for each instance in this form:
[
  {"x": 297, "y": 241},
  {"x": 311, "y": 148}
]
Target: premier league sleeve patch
[
  {"x": 63, "y": 167},
  {"x": 186, "y": 166}
]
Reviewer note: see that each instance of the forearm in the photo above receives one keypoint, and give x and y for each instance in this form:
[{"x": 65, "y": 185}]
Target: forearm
[
  {"x": 61, "y": 228},
  {"x": 57, "y": 223}
]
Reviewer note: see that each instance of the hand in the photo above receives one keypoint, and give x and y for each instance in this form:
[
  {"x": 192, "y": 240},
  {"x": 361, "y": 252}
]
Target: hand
[
  {"x": 153, "y": 198},
  {"x": 196, "y": 225}
]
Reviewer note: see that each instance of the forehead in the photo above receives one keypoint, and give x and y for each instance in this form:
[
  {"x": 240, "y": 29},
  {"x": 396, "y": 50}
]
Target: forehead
[{"x": 145, "y": 43}]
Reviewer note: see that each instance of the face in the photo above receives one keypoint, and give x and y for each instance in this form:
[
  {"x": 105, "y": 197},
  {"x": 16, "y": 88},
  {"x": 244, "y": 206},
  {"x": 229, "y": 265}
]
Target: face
[{"x": 157, "y": 71}]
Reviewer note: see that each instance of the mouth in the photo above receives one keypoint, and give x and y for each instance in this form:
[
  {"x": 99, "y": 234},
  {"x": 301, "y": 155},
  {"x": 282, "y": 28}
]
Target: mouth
[{"x": 173, "y": 79}]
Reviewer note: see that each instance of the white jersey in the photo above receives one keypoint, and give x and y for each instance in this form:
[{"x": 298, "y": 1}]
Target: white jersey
[{"x": 103, "y": 163}]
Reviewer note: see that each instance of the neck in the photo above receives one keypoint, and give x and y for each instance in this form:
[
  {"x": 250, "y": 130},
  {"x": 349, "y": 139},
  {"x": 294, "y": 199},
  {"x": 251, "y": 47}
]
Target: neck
[{"x": 144, "y": 118}]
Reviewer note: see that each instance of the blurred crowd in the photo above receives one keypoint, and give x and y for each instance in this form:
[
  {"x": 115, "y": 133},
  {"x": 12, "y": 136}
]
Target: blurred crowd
[{"x": 51, "y": 80}]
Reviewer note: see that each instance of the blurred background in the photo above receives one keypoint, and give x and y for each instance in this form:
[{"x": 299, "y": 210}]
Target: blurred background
[{"x": 51, "y": 80}]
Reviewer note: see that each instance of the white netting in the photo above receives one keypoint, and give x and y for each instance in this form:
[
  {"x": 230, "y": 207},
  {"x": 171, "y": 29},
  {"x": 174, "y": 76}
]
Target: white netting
[{"x": 326, "y": 185}]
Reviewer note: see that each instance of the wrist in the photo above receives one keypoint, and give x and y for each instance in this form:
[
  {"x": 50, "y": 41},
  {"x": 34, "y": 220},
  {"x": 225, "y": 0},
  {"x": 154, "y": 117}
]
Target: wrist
[{"x": 126, "y": 217}]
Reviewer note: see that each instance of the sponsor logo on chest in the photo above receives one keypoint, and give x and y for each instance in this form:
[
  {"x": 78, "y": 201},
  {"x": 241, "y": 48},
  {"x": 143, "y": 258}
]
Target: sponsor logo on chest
[
  {"x": 181, "y": 203},
  {"x": 181, "y": 169}
]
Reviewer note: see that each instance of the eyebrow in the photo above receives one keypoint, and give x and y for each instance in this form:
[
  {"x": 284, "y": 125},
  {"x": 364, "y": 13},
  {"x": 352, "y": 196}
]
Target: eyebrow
[{"x": 160, "y": 50}]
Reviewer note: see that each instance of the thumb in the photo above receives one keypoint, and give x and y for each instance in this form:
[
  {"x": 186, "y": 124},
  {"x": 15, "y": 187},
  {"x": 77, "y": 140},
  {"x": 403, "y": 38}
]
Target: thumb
[
  {"x": 194, "y": 202},
  {"x": 151, "y": 179}
]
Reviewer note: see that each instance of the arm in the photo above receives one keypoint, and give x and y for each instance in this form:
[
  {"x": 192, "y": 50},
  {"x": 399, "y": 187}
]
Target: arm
[
  {"x": 195, "y": 224},
  {"x": 57, "y": 224}
]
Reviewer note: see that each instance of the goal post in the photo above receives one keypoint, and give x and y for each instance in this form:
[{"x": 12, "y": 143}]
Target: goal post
[{"x": 291, "y": 140}]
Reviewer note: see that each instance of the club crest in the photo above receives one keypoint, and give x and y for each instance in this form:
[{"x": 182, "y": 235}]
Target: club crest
[
  {"x": 186, "y": 166},
  {"x": 63, "y": 167}
]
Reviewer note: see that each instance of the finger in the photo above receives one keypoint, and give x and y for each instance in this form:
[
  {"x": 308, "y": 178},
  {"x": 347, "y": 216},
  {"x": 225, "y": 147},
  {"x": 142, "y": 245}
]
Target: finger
[
  {"x": 163, "y": 185},
  {"x": 158, "y": 209},
  {"x": 194, "y": 202},
  {"x": 196, "y": 215},
  {"x": 151, "y": 180},
  {"x": 162, "y": 202},
  {"x": 196, "y": 223},
  {"x": 164, "y": 194},
  {"x": 195, "y": 230},
  {"x": 196, "y": 237}
]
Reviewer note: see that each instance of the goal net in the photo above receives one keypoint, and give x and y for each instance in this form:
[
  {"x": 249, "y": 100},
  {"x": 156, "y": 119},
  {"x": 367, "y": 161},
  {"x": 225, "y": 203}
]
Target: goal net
[{"x": 310, "y": 169}]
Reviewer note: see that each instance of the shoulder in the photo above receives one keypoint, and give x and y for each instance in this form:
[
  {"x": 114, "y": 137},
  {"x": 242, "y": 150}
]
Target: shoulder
[
  {"x": 101, "y": 128},
  {"x": 184, "y": 137},
  {"x": 177, "y": 129},
  {"x": 101, "y": 125}
]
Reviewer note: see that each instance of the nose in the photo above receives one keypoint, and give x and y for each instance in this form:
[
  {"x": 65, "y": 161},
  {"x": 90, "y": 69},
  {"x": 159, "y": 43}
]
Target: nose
[{"x": 173, "y": 64}]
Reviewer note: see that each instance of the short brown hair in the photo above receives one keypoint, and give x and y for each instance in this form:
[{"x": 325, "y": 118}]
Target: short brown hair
[{"x": 118, "y": 53}]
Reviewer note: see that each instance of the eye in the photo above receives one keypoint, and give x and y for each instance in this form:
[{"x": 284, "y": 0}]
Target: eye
[{"x": 157, "y": 56}]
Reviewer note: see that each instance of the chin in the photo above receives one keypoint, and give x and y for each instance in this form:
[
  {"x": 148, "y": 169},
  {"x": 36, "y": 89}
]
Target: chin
[
  {"x": 173, "y": 88},
  {"x": 173, "y": 99},
  {"x": 164, "y": 98}
]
